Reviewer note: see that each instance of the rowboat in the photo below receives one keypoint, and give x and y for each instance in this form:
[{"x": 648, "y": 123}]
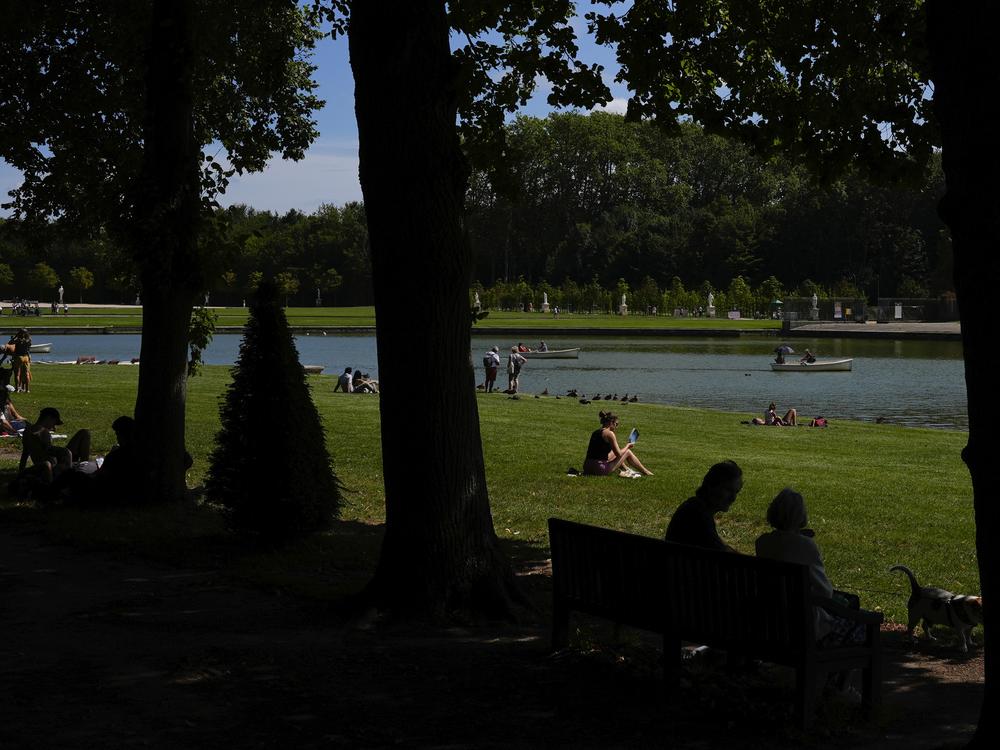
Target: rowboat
[
  {"x": 820, "y": 365},
  {"x": 553, "y": 354},
  {"x": 41, "y": 348},
  {"x": 313, "y": 369}
]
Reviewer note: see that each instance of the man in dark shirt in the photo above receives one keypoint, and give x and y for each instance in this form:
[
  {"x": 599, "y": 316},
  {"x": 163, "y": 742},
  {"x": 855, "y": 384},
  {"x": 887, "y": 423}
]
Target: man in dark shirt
[{"x": 693, "y": 522}]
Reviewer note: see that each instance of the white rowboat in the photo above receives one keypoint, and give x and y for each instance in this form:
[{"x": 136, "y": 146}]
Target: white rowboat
[
  {"x": 41, "y": 348},
  {"x": 313, "y": 369},
  {"x": 553, "y": 354},
  {"x": 820, "y": 365}
]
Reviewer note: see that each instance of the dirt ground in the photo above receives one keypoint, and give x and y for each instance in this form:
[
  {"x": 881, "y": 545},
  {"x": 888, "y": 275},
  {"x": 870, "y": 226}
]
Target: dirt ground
[{"x": 98, "y": 652}]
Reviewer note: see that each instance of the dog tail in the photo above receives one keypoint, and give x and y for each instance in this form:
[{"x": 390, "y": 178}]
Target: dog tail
[{"x": 909, "y": 574}]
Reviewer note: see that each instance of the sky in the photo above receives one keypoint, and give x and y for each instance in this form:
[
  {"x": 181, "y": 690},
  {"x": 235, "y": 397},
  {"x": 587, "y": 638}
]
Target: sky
[{"x": 329, "y": 171}]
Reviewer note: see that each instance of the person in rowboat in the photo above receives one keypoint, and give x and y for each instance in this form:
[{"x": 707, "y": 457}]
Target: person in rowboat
[
  {"x": 542, "y": 346},
  {"x": 808, "y": 358}
]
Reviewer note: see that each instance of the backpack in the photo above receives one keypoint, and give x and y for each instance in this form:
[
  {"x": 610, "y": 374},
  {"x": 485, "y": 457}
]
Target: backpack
[{"x": 487, "y": 361}]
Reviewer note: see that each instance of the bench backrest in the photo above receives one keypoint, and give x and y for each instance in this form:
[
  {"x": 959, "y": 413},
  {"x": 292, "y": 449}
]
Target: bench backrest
[{"x": 721, "y": 598}]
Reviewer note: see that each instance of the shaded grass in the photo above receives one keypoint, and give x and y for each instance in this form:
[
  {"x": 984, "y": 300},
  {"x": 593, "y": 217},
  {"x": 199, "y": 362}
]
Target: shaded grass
[{"x": 877, "y": 494}]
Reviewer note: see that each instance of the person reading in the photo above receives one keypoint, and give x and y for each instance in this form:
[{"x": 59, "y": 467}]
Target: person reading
[{"x": 604, "y": 455}]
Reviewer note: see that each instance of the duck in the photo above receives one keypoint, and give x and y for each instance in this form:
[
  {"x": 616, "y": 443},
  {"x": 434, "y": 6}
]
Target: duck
[
  {"x": 545, "y": 392},
  {"x": 608, "y": 397},
  {"x": 584, "y": 401},
  {"x": 633, "y": 399},
  {"x": 625, "y": 398}
]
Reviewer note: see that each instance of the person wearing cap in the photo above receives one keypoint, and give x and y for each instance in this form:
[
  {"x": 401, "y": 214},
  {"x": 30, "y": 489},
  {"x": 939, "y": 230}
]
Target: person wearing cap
[
  {"x": 491, "y": 363},
  {"x": 51, "y": 459}
]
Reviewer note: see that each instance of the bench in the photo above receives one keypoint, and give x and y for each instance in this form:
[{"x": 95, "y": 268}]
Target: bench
[{"x": 744, "y": 605}]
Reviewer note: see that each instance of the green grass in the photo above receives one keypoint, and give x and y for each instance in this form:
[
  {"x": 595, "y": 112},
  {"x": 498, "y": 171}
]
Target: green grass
[
  {"x": 352, "y": 317},
  {"x": 877, "y": 494}
]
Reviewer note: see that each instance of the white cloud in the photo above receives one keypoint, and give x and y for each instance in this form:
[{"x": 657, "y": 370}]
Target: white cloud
[
  {"x": 616, "y": 106},
  {"x": 327, "y": 174}
]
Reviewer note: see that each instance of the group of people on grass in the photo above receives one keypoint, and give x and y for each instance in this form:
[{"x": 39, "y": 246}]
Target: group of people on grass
[
  {"x": 354, "y": 381},
  {"x": 50, "y": 471}
]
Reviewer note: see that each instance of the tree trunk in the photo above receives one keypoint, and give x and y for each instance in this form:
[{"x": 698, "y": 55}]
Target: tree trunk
[
  {"x": 961, "y": 40},
  {"x": 440, "y": 552},
  {"x": 164, "y": 242}
]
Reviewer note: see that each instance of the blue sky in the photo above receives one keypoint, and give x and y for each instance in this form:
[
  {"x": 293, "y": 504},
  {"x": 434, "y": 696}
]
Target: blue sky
[{"x": 329, "y": 172}]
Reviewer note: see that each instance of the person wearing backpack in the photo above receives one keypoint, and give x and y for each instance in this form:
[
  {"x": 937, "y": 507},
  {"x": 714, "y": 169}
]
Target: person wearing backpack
[{"x": 491, "y": 363}]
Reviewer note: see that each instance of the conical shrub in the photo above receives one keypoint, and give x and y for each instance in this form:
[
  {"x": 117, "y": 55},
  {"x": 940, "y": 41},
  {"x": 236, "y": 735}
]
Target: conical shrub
[{"x": 270, "y": 469}]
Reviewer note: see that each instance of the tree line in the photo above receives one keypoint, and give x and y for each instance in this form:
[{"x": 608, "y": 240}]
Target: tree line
[{"x": 588, "y": 207}]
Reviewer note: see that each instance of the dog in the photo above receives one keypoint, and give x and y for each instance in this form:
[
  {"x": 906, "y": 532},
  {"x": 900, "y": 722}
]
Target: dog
[{"x": 935, "y": 606}]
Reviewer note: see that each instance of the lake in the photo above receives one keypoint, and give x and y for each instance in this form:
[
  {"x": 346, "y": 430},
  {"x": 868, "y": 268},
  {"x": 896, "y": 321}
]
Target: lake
[{"x": 916, "y": 383}]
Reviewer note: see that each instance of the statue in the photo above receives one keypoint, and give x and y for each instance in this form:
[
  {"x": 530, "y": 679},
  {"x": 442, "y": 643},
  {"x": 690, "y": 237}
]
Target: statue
[
  {"x": 623, "y": 300},
  {"x": 711, "y": 300},
  {"x": 60, "y": 294},
  {"x": 545, "y": 298},
  {"x": 476, "y": 304},
  {"x": 815, "y": 300}
]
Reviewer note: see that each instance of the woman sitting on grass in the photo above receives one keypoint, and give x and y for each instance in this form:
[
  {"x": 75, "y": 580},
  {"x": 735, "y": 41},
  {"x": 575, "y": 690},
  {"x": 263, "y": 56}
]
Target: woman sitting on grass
[
  {"x": 10, "y": 420},
  {"x": 605, "y": 456}
]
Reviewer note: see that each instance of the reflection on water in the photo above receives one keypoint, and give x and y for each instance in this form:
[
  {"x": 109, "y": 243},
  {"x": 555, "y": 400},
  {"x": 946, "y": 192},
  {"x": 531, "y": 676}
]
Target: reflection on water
[{"x": 918, "y": 383}]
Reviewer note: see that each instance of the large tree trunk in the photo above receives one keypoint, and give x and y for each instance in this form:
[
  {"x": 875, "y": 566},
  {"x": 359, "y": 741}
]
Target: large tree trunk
[
  {"x": 966, "y": 78},
  {"x": 164, "y": 243},
  {"x": 440, "y": 551}
]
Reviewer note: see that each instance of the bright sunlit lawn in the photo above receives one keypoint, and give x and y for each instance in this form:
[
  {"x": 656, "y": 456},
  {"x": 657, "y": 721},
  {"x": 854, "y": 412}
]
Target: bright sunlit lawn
[{"x": 877, "y": 494}]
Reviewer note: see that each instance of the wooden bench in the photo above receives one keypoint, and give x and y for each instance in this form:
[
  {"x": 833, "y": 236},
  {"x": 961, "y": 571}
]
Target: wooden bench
[{"x": 744, "y": 605}]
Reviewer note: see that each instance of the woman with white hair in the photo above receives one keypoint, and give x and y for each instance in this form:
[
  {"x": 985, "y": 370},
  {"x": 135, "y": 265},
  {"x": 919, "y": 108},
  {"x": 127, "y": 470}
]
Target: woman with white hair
[{"x": 791, "y": 541}]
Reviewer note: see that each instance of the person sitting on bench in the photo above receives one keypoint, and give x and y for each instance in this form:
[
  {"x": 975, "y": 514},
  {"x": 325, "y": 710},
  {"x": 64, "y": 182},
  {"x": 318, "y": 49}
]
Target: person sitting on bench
[{"x": 693, "y": 523}]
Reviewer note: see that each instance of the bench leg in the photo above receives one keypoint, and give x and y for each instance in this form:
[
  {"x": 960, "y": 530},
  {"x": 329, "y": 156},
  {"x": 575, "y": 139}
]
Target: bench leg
[
  {"x": 560, "y": 624},
  {"x": 671, "y": 662},
  {"x": 805, "y": 695}
]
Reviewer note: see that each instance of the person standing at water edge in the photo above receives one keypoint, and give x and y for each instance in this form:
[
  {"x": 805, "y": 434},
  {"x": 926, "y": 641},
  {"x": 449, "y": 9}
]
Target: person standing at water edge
[
  {"x": 491, "y": 362},
  {"x": 693, "y": 523},
  {"x": 514, "y": 363}
]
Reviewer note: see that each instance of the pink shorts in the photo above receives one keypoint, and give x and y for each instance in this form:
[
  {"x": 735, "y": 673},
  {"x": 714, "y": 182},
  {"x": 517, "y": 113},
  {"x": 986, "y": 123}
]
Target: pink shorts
[{"x": 596, "y": 467}]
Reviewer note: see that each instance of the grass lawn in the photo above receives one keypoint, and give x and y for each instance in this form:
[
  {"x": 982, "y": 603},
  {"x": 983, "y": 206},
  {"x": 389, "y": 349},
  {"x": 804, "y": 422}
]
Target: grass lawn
[
  {"x": 349, "y": 317},
  {"x": 877, "y": 494}
]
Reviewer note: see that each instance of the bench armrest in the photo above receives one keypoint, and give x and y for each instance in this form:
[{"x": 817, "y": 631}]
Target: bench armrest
[{"x": 857, "y": 615}]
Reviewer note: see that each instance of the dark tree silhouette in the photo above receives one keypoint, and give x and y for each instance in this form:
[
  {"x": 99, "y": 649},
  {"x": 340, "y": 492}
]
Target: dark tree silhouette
[{"x": 270, "y": 469}]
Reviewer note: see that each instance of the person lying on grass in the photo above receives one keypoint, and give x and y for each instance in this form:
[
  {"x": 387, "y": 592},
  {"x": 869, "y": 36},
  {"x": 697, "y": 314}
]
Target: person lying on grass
[
  {"x": 53, "y": 460},
  {"x": 604, "y": 455}
]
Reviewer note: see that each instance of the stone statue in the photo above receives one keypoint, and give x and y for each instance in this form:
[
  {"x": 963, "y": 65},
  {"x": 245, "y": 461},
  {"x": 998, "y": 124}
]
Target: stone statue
[
  {"x": 476, "y": 304},
  {"x": 60, "y": 294},
  {"x": 545, "y": 298},
  {"x": 815, "y": 300},
  {"x": 711, "y": 300},
  {"x": 623, "y": 300}
]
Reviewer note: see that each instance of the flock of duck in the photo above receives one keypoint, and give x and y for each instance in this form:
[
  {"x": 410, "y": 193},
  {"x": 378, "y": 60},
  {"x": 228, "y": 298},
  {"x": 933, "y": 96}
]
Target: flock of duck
[{"x": 626, "y": 399}]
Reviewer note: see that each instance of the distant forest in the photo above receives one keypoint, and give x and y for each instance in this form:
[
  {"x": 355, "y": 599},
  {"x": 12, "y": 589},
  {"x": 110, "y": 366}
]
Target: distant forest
[{"x": 582, "y": 202}]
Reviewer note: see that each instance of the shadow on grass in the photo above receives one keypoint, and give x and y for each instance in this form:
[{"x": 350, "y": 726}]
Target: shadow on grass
[{"x": 284, "y": 659}]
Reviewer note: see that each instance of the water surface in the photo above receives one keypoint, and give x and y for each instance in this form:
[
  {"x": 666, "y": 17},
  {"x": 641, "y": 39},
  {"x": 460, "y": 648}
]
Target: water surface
[{"x": 917, "y": 383}]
